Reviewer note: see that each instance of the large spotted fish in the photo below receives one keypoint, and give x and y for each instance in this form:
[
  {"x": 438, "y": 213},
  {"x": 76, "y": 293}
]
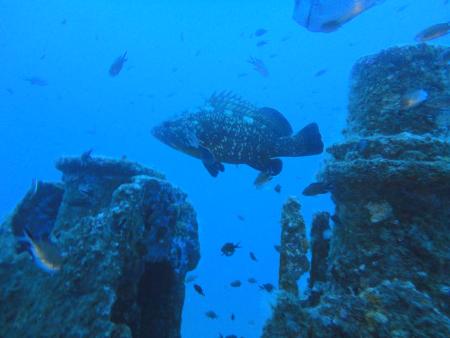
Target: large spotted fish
[{"x": 228, "y": 129}]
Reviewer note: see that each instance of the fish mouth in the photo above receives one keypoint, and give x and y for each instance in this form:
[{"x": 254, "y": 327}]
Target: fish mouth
[
  {"x": 158, "y": 133},
  {"x": 164, "y": 135}
]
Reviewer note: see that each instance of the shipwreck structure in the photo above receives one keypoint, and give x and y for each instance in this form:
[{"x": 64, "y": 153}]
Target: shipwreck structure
[
  {"x": 126, "y": 238},
  {"x": 387, "y": 263}
]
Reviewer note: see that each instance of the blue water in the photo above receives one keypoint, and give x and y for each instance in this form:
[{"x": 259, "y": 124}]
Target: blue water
[{"x": 179, "y": 53}]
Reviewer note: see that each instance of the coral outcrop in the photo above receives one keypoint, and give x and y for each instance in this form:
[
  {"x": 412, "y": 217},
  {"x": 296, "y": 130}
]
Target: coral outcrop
[
  {"x": 293, "y": 247},
  {"x": 389, "y": 254},
  {"x": 127, "y": 238}
]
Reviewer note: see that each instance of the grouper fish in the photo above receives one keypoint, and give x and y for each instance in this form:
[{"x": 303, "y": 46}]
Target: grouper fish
[{"x": 227, "y": 129}]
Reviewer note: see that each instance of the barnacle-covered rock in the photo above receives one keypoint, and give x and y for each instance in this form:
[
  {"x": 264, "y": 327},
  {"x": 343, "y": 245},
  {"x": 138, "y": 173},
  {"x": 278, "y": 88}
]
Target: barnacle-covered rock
[
  {"x": 379, "y": 82},
  {"x": 293, "y": 247},
  {"x": 389, "y": 255},
  {"x": 127, "y": 236}
]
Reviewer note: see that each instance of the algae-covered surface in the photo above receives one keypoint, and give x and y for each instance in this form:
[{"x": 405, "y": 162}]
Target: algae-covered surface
[
  {"x": 383, "y": 271},
  {"x": 127, "y": 238}
]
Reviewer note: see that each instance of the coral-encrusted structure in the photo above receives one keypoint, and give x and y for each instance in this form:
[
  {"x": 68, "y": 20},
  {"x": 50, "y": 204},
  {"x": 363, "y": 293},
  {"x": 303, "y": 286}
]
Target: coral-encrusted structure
[
  {"x": 127, "y": 238},
  {"x": 293, "y": 247},
  {"x": 389, "y": 259}
]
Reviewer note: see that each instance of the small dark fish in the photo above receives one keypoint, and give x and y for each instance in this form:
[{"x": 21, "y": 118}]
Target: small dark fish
[
  {"x": 252, "y": 280},
  {"x": 117, "y": 65},
  {"x": 317, "y": 188},
  {"x": 211, "y": 314},
  {"x": 259, "y": 66},
  {"x": 235, "y": 283},
  {"x": 261, "y": 43},
  {"x": 260, "y": 32},
  {"x": 402, "y": 8},
  {"x": 320, "y": 72},
  {"x": 232, "y": 317},
  {"x": 36, "y": 81},
  {"x": 199, "y": 289},
  {"x": 43, "y": 56},
  {"x": 277, "y": 188},
  {"x": 86, "y": 190},
  {"x": 240, "y": 75},
  {"x": 228, "y": 249},
  {"x": 10, "y": 91},
  {"x": 86, "y": 156},
  {"x": 241, "y": 218},
  {"x": 63, "y": 21},
  {"x": 267, "y": 287},
  {"x": 277, "y": 248},
  {"x": 433, "y": 32},
  {"x": 253, "y": 257}
]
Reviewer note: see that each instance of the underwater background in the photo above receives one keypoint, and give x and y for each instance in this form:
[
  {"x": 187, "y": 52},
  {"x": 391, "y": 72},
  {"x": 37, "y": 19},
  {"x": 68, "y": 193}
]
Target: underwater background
[{"x": 179, "y": 53}]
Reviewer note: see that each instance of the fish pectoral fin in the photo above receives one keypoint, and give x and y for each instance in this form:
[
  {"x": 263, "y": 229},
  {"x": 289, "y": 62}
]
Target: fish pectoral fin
[
  {"x": 213, "y": 167},
  {"x": 211, "y": 164},
  {"x": 270, "y": 166}
]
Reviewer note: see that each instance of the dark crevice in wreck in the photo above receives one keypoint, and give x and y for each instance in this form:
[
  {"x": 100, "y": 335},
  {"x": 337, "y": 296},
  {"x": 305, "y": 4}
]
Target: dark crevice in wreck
[{"x": 154, "y": 297}]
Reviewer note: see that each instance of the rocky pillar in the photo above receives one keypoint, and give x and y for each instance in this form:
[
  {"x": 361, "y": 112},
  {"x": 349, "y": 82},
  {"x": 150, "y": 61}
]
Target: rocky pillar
[
  {"x": 389, "y": 257},
  {"x": 293, "y": 247}
]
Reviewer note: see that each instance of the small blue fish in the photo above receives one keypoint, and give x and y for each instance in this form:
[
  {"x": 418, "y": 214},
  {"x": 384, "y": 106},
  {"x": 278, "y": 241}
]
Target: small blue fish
[
  {"x": 36, "y": 81},
  {"x": 261, "y": 43},
  {"x": 260, "y": 32},
  {"x": 117, "y": 65},
  {"x": 320, "y": 72},
  {"x": 44, "y": 253},
  {"x": 259, "y": 66}
]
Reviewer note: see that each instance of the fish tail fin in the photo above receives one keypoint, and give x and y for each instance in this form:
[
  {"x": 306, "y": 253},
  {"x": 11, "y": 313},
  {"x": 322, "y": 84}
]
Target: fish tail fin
[{"x": 308, "y": 141}]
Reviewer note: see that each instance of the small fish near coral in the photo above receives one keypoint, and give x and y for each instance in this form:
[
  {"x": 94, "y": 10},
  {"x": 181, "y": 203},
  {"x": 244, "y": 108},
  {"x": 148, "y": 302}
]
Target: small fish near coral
[
  {"x": 267, "y": 287},
  {"x": 253, "y": 257},
  {"x": 45, "y": 254},
  {"x": 199, "y": 290},
  {"x": 117, "y": 65},
  {"x": 228, "y": 249},
  {"x": 414, "y": 98},
  {"x": 433, "y": 32},
  {"x": 228, "y": 129}
]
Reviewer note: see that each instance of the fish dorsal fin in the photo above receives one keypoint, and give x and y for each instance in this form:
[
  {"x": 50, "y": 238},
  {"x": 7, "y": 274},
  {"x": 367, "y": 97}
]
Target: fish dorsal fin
[
  {"x": 275, "y": 120},
  {"x": 227, "y": 100}
]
